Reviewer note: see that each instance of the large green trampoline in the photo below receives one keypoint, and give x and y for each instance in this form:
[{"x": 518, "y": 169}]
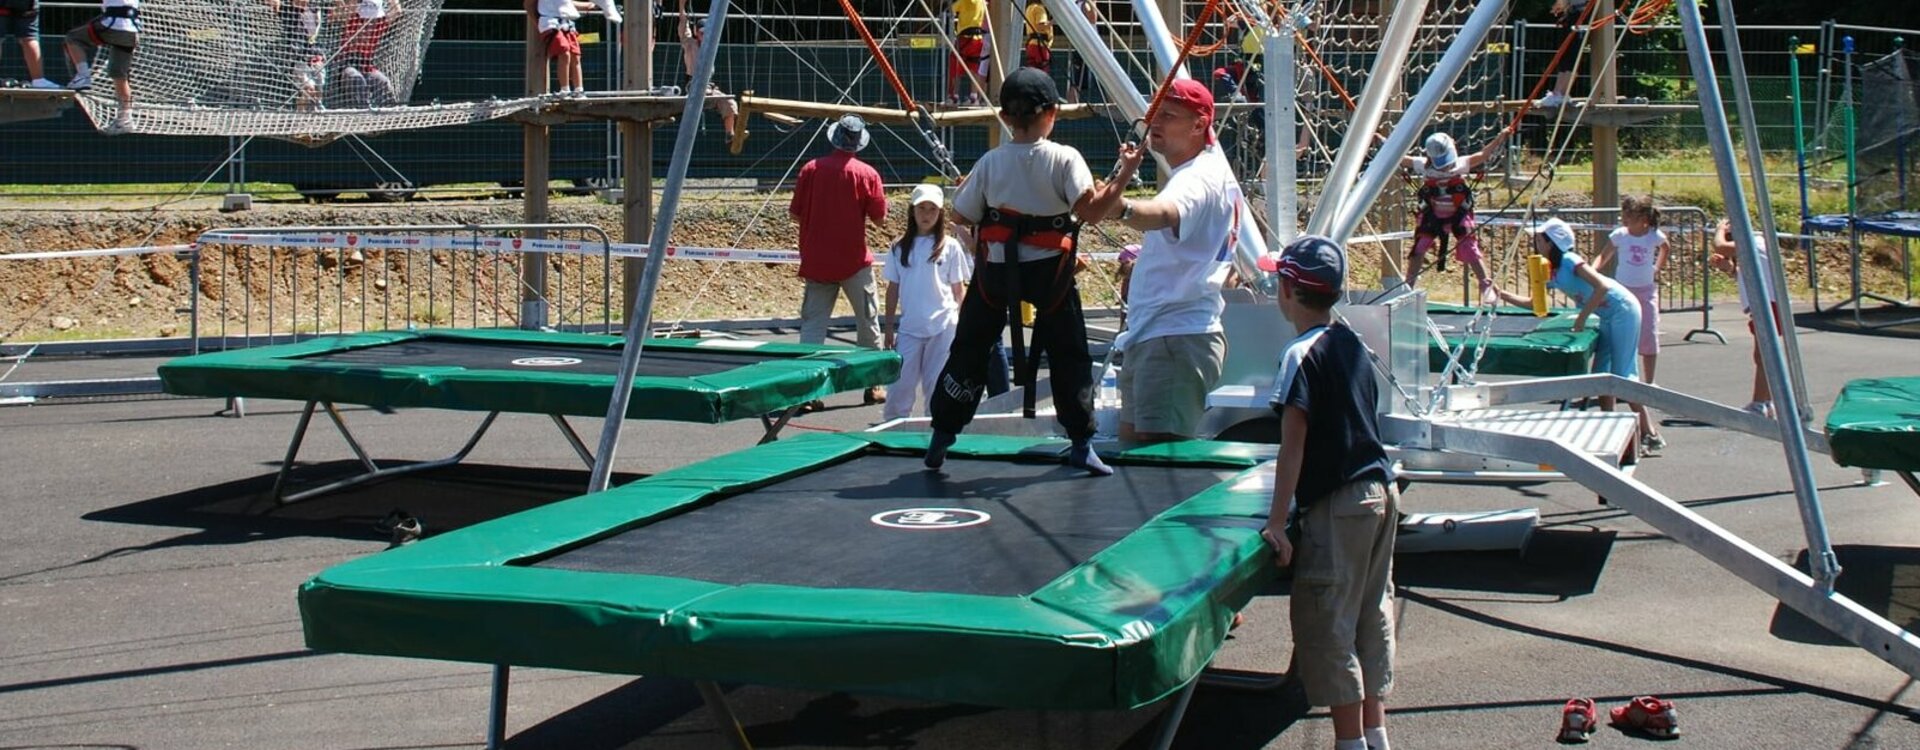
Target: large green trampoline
[
  {"x": 836, "y": 562},
  {"x": 1520, "y": 344},
  {"x": 708, "y": 380},
  {"x": 1875, "y": 424}
]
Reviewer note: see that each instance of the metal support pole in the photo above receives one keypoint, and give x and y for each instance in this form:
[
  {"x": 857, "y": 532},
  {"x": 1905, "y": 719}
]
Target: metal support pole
[
  {"x": 1826, "y": 567},
  {"x": 639, "y": 319},
  {"x": 1777, "y": 270},
  {"x": 1355, "y": 202},
  {"x": 1799, "y": 125},
  {"x": 1283, "y": 192},
  {"x": 1368, "y": 113}
]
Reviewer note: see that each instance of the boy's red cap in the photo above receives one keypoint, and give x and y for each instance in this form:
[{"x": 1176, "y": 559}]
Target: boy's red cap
[{"x": 1193, "y": 95}]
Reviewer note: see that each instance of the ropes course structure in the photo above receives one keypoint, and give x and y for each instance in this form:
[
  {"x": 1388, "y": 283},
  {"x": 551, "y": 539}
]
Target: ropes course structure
[{"x": 309, "y": 71}]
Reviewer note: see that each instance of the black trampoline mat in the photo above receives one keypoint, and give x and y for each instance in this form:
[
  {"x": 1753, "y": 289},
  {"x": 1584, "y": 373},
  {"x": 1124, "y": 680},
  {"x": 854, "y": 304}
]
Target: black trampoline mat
[
  {"x": 1455, "y": 324},
  {"x": 522, "y": 357},
  {"x": 818, "y": 530}
]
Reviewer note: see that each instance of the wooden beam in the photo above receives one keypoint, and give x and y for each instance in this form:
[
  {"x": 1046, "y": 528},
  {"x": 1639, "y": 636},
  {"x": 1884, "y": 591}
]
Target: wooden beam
[
  {"x": 1606, "y": 135},
  {"x": 636, "y": 148}
]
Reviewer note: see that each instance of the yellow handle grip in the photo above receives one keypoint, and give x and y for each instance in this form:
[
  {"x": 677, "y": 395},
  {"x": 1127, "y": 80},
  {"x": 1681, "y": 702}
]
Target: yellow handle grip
[{"x": 1537, "y": 273}]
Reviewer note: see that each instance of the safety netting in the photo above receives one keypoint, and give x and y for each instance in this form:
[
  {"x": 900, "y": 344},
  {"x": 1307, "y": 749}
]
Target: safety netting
[{"x": 302, "y": 70}]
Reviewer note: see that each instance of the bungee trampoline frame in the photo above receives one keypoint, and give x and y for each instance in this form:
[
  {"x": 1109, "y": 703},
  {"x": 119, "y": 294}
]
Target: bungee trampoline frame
[{"x": 773, "y": 386}]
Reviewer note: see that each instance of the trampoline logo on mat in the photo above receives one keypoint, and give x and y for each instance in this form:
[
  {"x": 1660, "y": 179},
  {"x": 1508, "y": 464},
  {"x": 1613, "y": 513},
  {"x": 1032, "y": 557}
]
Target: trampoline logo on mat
[
  {"x": 930, "y": 518},
  {"x": 546, "y": 362}
]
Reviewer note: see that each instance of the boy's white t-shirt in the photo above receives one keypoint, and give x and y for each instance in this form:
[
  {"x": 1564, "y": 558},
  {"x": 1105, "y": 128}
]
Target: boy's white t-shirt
[
  {"x": 556, "y": 14},
  {"x": 372, "y": 9},
  {"x": 1176, "y": 282},
  {"x": 927, "y": 305},
  {"x": 1042, "y": 178},
  {"x": 1635, "y": 255}
]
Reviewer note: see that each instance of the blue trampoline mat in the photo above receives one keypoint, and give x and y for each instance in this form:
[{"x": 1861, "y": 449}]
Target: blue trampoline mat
[{"x": 1898, "y": 224}]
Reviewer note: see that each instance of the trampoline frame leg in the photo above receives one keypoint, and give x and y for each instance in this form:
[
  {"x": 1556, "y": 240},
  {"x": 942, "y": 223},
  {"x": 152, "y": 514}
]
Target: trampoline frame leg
[
  {"x": 1170, "y": 724},
  {"x": 1913, "y": 482},
  {"x": 725, "y": 723},
  {"x": 497, "y": 708},
  {"x": 573, "y": 438},
  {"x": 774, "y": 424},
  {"x": 374, "y": 471}
]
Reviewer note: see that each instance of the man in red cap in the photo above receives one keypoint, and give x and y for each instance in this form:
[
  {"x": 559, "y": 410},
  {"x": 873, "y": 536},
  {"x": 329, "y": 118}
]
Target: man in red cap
[{"x": 1175, "y": 345}]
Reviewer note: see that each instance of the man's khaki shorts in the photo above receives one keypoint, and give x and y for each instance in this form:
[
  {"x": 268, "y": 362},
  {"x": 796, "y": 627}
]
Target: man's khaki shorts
[{"x": 1164, "y": 385}]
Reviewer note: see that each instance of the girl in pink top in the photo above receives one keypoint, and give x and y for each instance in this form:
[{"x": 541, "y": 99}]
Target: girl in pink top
[{"x": 1639, "y": 250}]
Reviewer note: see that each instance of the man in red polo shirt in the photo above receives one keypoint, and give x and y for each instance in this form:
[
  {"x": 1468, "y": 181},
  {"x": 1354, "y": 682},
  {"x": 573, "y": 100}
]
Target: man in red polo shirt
[{"x": 834, "y": 198}]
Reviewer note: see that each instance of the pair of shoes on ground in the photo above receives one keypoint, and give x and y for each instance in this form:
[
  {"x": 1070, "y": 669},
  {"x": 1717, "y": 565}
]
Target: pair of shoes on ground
[
  {"x": 1651, "y": 444},
  {"x": 874, "y": 395},
  {"x": 1645, "y": 714},
  {"x": 1080, "y": 455},
  {"x": 1759, "y": 408},
  {"x": 1553, "y": 100}
]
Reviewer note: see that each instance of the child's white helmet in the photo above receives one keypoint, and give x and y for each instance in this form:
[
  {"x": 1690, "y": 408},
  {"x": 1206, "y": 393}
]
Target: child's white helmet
[{"x": 1440, "y": 151}]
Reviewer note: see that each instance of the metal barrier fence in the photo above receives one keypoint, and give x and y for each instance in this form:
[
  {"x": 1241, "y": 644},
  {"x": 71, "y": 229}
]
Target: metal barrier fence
[
  {"x": 268, "y": 285},
  {"x": 257, "y": 286},
  {"x": 1685, "y": 283}
]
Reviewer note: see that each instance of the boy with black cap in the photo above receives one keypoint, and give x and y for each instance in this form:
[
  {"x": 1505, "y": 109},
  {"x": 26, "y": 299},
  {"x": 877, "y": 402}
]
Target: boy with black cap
[
  {"x": 1027, "y": 199},
  {"x": 1332, "y": 480}
]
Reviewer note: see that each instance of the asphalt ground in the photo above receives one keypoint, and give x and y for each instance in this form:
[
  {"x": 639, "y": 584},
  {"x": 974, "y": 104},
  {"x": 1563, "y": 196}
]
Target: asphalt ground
[{"x": 147, "y": 597}]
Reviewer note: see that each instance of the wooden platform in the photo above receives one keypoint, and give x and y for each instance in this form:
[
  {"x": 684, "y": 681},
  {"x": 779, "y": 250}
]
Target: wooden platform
[{"x": 21, "y": 104}]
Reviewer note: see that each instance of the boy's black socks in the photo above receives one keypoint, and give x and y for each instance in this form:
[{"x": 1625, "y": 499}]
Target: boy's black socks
[{"x": 937, "y": 448}]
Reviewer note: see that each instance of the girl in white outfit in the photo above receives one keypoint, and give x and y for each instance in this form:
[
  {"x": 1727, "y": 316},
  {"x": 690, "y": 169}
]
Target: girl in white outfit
[
  {"x": 1640, "y": 249},
  {"x": 926, "y": 277}
]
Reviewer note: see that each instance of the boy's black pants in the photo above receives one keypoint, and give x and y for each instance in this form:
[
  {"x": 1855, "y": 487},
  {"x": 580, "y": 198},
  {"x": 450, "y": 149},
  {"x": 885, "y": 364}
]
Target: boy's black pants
[{"x": 1061, "y": 333}]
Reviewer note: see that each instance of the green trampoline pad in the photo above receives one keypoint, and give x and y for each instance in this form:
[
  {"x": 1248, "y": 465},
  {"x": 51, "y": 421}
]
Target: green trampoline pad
[
  {"x": 1549, "y": 348},
  {"x": 1876, "y": 424},
  {"x": 536, "y": 372},
  {"x": 836, "y": 562}
]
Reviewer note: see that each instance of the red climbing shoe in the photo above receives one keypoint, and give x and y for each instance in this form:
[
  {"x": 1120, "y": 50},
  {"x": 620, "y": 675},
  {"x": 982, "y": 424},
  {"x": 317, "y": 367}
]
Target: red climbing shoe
[
  {"x": 1577, "y": 720},
  {"x": 1648, "y": 714}
]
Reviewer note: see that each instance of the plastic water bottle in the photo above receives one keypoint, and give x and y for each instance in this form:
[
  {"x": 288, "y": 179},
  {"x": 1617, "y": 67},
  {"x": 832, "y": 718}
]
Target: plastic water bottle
[{"x": 1109, "y": 390}]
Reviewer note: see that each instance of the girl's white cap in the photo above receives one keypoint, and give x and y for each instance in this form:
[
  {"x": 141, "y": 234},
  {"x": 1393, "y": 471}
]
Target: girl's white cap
[{"x": 925, "y": 193}]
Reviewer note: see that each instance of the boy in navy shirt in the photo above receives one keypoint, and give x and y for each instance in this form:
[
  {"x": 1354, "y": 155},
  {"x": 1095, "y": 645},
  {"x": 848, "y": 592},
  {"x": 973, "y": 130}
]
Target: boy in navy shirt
[{"x": 1333, "y": 480}]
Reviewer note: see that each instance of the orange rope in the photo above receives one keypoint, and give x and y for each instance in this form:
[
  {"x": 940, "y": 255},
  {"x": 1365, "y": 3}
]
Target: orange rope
[
  {"x": 1325, "y": 71},
  {"x": 1180, "y": 62},
  {"x": 906, "y": 98}
]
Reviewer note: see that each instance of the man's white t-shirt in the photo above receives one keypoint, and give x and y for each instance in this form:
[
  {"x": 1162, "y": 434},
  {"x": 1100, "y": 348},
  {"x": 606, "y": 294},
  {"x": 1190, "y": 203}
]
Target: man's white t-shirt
[
  {"x": 1042, "y": 178},
  {"x": 927, "y": 306},
  {"x": 1176, "y": 282},
  {"x": 1635, "y": 255}
]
